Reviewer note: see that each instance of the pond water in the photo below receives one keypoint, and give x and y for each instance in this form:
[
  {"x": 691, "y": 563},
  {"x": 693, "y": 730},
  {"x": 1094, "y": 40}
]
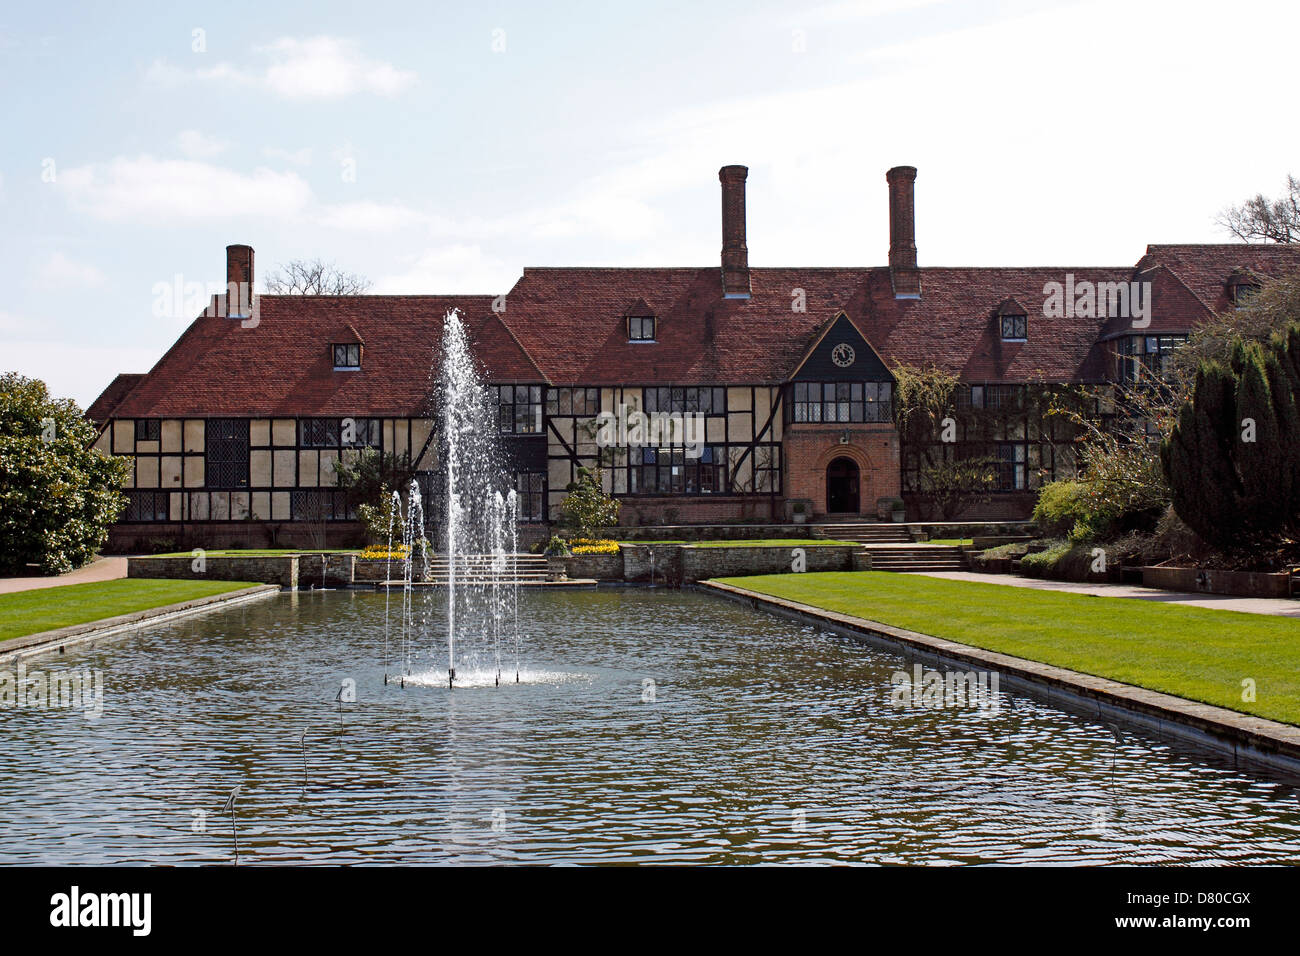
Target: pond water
[{"x": 759, "y": 740}]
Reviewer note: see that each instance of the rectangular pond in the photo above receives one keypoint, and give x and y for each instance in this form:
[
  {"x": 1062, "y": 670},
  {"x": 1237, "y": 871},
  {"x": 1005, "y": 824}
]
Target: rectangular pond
[{"x": 650, "y": 726}]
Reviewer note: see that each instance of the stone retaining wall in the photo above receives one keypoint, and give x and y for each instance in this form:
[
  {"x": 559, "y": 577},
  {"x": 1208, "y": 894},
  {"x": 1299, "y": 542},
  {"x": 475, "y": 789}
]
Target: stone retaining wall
[
  {"x": 699, "y": 564},
  {"x": 281, "y": 570},
  {"x": 601, "y": 567},
  {"x": 1235, "y": 583},
  {"x": 653, "y": 564},
  {"x": 337, "y": 568}
]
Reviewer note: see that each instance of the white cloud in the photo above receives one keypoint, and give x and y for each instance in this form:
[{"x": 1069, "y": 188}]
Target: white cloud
[
  {"x": 450, "y": 269},
  {"x": 59, "y": 272},
  {"x": 157, "y": 190},
  {"x": 321, "y": 67},
  {"x": 11, "y": 324},
  {"x": 197, "y": 145},
  {"x": 79, "y": 372},
  {"x": 862, "y": 9},
  {"x": 298, "y": 157},
  {"x": 366, "y": 216}
]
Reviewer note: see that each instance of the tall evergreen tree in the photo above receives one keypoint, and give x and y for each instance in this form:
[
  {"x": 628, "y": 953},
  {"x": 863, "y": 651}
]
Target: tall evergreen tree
[{"x": 1233, "y": 459}]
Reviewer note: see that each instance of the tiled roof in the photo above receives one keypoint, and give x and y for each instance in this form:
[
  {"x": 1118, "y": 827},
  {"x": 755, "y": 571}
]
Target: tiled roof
[
  {"x": 283, "y": 366},
  {"x": 567, "y": 326},
  {"x": 101, "y": 409},
  {"x": 1205, "y": 268}
]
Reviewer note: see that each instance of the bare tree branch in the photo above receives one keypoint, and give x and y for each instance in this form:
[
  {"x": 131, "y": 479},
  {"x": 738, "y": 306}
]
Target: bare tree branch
[
  {"x": 314, "y": 277},
  {"x": 1265, "y": 220}
]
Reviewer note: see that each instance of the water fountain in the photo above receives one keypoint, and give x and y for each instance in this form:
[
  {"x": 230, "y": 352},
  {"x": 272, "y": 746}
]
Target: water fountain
[{"x": 481, "y": 580}]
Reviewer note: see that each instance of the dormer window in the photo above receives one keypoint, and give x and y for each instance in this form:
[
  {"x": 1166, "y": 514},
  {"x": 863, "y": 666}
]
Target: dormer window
[
  {"x": 347, "y": 358},
  {"x": 1243, "y": 286},
  {"x": 641, "y": 328},
  {"x": 640, "y": 322},
  {"x": 1013, "y": 321}
]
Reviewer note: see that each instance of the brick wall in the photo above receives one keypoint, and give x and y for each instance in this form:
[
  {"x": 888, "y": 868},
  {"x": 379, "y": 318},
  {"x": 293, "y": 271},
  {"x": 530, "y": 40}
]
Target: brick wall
[
  {"x": 699, "y": 509},
  {"x": 810, "y": 449}
]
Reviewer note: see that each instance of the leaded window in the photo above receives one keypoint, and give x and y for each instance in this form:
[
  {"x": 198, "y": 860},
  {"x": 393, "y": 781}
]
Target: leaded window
[
  {"x": 842, "y": 402},
  {"x": 226, "y": 453},
  {"x": 519, "y": 409},
  {"x": 346, "y": 356}
]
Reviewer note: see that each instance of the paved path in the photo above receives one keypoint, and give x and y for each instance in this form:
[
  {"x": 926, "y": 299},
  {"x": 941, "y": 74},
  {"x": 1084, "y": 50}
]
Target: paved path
[
  {"x": 103, "y": 569},
  {"x": 1218, "y": 602}
]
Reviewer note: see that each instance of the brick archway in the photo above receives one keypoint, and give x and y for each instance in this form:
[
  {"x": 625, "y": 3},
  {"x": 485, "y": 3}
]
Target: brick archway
[
  {"x": 852, "y": 452},
  {"x": 829, "y": 471}
]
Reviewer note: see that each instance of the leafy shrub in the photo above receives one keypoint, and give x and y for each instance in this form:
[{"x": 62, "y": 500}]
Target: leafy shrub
[
  {"x": 58, "y": 496},
  {"x": 1038, "y": 564},
  {"x": 587, "y": 507},
  {"x": 557, "y": 547},
  {"x": 1233, "y": 459},
  {"x": 1073, "y": 509}
]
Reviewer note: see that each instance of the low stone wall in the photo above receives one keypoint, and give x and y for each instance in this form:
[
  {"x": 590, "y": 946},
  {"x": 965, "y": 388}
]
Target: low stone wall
[
  {"x": 281, "y": 569},
  {"x": 1234, "y": 583},
  {"x": 370, "y": 570},
  {"x": 653, "y": 564},
  {"x": 708, "y": 532},
  {"x": 699, "y": 564},
  {"x": 325, "y": 570},
  {"x": 601, "y": 567}
]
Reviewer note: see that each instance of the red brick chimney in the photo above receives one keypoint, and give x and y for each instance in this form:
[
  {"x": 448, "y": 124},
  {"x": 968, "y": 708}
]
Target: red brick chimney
[
  {"x": 902, "y": 233},
  {"x": 735, "y": 254},
  {"x": 239, "y": 280}
]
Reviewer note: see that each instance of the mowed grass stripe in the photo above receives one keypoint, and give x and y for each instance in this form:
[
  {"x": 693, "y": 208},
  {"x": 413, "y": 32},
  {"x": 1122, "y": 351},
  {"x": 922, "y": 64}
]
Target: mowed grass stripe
[{"x": 45, "y": 609}]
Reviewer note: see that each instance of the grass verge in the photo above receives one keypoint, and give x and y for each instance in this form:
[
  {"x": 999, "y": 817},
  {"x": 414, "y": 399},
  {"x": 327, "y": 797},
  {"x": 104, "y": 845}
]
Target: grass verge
[
  {"x": 1196, "y": 653},
  {"x": 44, "y": 609}
]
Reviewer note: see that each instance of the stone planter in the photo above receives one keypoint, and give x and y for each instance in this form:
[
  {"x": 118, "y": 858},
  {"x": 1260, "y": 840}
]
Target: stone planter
[
  {"x": 557, "y": 567},
  {"x": 1208, "y": 581}
]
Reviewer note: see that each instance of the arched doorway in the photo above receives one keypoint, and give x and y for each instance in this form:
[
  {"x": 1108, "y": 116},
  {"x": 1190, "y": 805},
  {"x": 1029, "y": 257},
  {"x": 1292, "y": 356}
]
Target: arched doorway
[{"x": 842, "y": 487}]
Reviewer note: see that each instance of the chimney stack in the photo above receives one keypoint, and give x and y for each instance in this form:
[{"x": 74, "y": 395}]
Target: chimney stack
[
  {"x": 903, "y": 273},
  {"x": 735, "y": 254},
  {"x": 239, "y": 280}
]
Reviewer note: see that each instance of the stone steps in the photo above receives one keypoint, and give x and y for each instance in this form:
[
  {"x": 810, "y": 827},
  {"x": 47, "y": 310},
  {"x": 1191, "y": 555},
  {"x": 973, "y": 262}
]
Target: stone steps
[
  {"x": 917, "y": 557},
  {"x": 863, "y": 533}
]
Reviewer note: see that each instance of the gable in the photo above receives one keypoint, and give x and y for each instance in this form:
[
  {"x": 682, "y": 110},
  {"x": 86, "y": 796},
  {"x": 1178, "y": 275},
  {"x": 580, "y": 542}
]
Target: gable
[{"x": 842, "y": 354}]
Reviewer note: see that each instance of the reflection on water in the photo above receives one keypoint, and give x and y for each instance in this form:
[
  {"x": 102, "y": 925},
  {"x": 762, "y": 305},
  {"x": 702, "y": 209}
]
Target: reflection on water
[{"x": 647, "y": 726}]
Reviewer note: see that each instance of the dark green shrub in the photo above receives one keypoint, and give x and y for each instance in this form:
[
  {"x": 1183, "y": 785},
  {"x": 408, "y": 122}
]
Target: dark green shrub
[{"x": 1233, "y": 459}]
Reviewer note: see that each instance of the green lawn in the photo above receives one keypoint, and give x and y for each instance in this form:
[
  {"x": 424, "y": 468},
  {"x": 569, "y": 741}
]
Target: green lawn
[
  {"x": 1196, "y": 653},
  {"x": 951, "y": 541},
  {"x": 45, "y": 609},
  {"x": 753, "y": 543}
]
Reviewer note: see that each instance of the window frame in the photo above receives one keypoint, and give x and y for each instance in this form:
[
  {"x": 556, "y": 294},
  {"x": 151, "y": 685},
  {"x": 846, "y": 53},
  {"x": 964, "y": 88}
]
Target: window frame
[
  {"x": 638, "y": 323},
  {"x": 347, "y": 365},
  {"x": 1019, "y": 323}
]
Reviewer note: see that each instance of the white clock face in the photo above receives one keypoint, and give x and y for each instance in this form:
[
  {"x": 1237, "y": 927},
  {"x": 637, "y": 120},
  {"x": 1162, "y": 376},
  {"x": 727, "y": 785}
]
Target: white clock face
[{"x": 843, "y": 355}]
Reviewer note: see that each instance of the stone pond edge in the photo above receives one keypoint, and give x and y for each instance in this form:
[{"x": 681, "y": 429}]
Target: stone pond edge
[
  {"x": 1249, "y": 741},
  {"x": 63, "y": 637}
]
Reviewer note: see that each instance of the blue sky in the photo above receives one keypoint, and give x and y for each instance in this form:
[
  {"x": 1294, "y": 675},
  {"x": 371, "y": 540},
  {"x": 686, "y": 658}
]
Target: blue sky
[{"x": 442, "y": 147}]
